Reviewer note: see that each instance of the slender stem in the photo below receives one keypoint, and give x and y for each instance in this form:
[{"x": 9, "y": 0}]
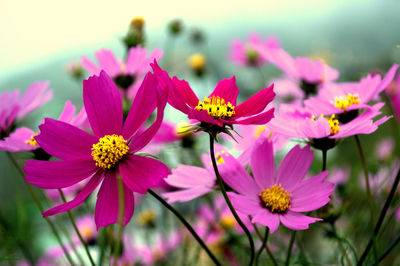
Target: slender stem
[
  {"x": 289, "y": 253},
  {"x": 264, "y": 243},
  {"x": 39, "y": 205},
  {"x": 368, "y": 187},
  {"x": 121, "y": 211},
  {"x": 186, "y": 224},
  {"x": 71, "y": 218},
  {"x": 394, "y": 244},
  {"x": 221, "y": 185},
  {"x": 266, "y": 246},
  {"x": 380, "y": 220},
  {"x": 324, "y": 154},
  {"x": 339, "y": 239}
]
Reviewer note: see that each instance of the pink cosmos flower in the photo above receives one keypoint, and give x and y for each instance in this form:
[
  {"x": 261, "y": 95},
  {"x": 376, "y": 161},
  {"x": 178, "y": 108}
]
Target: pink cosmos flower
[
  {"x": 393, "y": 92},
  {"x": 220, "y": 107},
  {"x": 127, "y": 75},
  {"x": 273, "y": 198},
  {"x": 22, "y": 139},
  {"x": 245, "y": 54},
  {"x": 193, "y": 181},
  {"x": 105, "y": 156},
  {"x": 384, "y": 149},
  {"x": 343, "y": 99},
  {"x": 13, "y": 107}
]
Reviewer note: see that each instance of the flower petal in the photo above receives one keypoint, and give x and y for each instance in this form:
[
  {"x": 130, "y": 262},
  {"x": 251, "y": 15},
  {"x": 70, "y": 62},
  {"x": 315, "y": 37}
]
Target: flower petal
[
  {"x": 103, "y": 105},
  {"x": 245, "y": 204},
  {"x": 297, "y": 221},
  {"x": 85, "y": 192},
  {"x": 35, "y": 96},
  {"x": 267, "y": 218},
  {"x": 58, "y": 174},
  {"x": 294, "y": 167},
  {"x": 65, "y": 141},
  {"x": 108, "y": 62},
  {"x": 256, "y": 103},
  {"x": 262, "y": 163},
  {"x": 187, "y": 176},
  {"x": 227, "y": 90},
  {"x": 17, "y": 141},
  {"x": 141, "y": 173},
  {"x": 89, "y": 66},
  {"x": 203, "y": 116},
  {"x": 186, "y": 194},
  {"x": 260, "y": 119},
  {"x": 107, "y": 205}
]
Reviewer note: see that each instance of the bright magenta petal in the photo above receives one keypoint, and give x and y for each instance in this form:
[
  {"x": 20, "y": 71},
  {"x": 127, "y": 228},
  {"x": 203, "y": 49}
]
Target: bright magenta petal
[
  {"x": 260, "y": 119},
  {"x": 141, "y": 173},
  {"x": 297, "y": 221},
  {"x": 64, "y": 141},
  {"x": 267, "y": 218},
  {"x": 227, "y": 90},
  {"x": 85, "y": 192},
  {"x": 262, "y": 163},
  {"x": 58, "y": 174},
  {"x": 256, "y": 103},
  {"x": 294, "y": 167},
  {"x": 144, "y": 104},
  {"x": 103, "y": 105},
  {"x": 186, "y": 93},
  {"x": 107, "y": 207},
  {"x": 244, "y": 204}
]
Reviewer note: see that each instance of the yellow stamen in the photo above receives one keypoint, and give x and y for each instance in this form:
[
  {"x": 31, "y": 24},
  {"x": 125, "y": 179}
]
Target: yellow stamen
[
  {"x": 276, "y": 199},
  {"x": 197, "y": 61},
  {"x": 183, "y": 129},
  {"x": 86, "y": 232},
  {"x": 333, "y": 125},
  {"x": 259, "y": 130},
  {"x": 343, "y": 102},
  {"x": 219, "y": 157},
  {"x": 109, "y": 151},
  {"x": 146, "y": 217},
  {"x": 32, "y": 141},
  {"x": 228, "y": 222},
  {"x": 216, "y": 107}
]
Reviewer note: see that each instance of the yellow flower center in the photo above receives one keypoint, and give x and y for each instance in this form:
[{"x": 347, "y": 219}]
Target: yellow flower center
[
  {"x": 228, "y": 222},
  {"x": 216, "y": 107},
  {"x": 276, "y": 199},
  {"x": 137, "y": 23},
  {"x": 343, "y": 102},
  {"x": 146, "y": 217},
  {"x": 219, "y": 157},
  {"x": 109, "y": 150},
  {"x": 87, "y": 232},
  {"x": 333, "y": 124},
  {"x": 32, "y": 141},
  {"x": 197, "y": 61},
  {"x": 252, "y": 55}
]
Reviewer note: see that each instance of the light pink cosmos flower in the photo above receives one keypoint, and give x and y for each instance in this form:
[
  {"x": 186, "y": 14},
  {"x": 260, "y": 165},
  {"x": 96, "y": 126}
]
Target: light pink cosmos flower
[
  {"x": 22, "y": 139},
  {"x": 384, "y": 149},
  {"x": 127, "y": 75},
  {"x": 245, "y": 54},
  {"x": 220, "y": 107},
  {"x": 272, "y": 198},
  {"x": 14, "y": 107},
  {"x": 343, "y": 98},
  {"x": 393, "y": 92},
  {"x": 193, "y": 181},
  {"x": 105, "y": 156}
]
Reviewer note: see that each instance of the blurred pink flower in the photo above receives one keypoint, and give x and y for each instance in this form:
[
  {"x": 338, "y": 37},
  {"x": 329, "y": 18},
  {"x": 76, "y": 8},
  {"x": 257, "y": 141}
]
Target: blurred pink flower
[
  {"x": 385, "y": 148},
  {"x": 393, "y": 92},
  {"x": 105, "y": 156},
  {"x": 127, "y": 75},
  {"x": 245, "y": 54},
  {"x": 273, "y": 199}
]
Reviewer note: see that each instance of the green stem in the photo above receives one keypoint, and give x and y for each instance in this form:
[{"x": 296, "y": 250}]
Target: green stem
[
  {"x": 392, "y": 246},
  {"x": 39, "y": 205},
  {"x": 264, "y": 243},
  {"x": 380, "y": 220},
  {"x": 266, "y": 246},
  {"x": 289, "y": 253},
  {"x": 186, "y": 224},
  {"x": 340, "y": 244},
  {"x": 121, "y": 211},
  {"x": 71, "y": 218},
  {"x": 368, "y": 187},
  {"x": 221, "y": 185}
]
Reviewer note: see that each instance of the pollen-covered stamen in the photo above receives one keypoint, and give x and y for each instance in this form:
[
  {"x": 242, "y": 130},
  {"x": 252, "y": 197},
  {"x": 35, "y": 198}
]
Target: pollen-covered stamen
[
  {"x": 216, "y": 107},
  {"x": 333, "y": 125},
  {"x": 343, "y": 102},
  {"x": 276, "y": 199},
  {"x": 109, "y": 151},
  {"x": 219, "y": 157},
  {"x": 32, "y": 141}
]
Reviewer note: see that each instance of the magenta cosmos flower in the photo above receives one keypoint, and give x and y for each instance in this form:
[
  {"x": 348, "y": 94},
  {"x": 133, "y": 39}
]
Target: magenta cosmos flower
[
  {"x": 106, "y": 155},
  {"x": 393, "y": 92},
  {"x": 127, "y": 75},
  {"x": 272, "y": 198},
  {"x": 220, "y": 107},
  {"x": 245, "y": 54},
  {"x": 14, "y": 107},
  {"x": 23, "y": 138}
]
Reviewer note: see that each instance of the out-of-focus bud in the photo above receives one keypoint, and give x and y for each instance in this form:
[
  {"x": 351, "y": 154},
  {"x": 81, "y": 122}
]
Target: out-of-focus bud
[
  {"x": 137, "y": 23},
  {"x": 252, "y": 56},
  {"x": 75, "y": 70},
  {"x": 147, "y": 218},
  {"x": 175, "y": 27},
  {"x": 197, "y": 36},
  {"x": 197, "y": 62}
]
